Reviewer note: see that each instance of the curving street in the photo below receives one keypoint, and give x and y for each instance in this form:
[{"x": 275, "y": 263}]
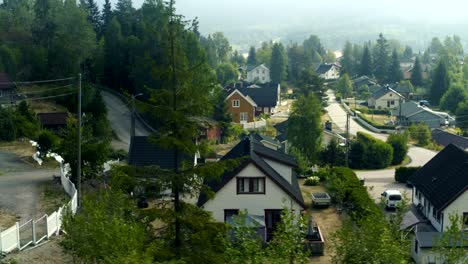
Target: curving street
[
  {"x": 118, "y": 115},
  {"x": 377, "y": 180}
]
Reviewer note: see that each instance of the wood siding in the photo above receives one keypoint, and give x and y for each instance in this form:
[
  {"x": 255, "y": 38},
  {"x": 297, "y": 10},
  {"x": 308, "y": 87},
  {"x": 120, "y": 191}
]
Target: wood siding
[{"x": 244, "y": 107}]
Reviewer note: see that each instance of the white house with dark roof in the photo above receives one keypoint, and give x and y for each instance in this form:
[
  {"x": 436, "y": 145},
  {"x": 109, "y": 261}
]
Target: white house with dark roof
[
  {"x": 439, "y": 190},
  {"x": 328, "y": 71},
  {"x": 385, "y": 98},
  {"x": 263, "y": 183},
  {"x": 259, "y": 74}
]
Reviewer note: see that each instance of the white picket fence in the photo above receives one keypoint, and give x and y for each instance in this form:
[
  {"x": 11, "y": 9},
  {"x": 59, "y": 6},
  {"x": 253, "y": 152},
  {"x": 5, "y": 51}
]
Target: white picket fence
[
  {"x": 254, "y": 125},
  {"x": 34, "y": 231}
]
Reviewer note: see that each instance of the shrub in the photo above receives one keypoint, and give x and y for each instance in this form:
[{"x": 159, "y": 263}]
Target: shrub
[
  {"x": 7, "y": 126},
  {"x": 46, "y": 141},
  {"x": 368, "y": 152},
  {"x": 373, "y": 123},
  {"x": 312, "y": 181},
  {"x": 402, "y": 174},
  {"x": 420, "y": 133},
  {"x": 399, "y": 143}
]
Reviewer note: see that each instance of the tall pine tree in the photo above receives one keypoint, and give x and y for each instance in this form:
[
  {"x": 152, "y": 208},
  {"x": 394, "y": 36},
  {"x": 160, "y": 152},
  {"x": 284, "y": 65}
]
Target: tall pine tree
[
  {"x": 94, "y": 15},
  {"x": 366, "y": 63},
  {"x": 278, "y": 63},
  {"x": 252, "y": 59},
  {"x": 440, "y": 83},
  {"x": 416, "y": 74},
  {"x": 106, "y": 16},
  {"x": 381, "y": 63},
  {"x": 395, "y": 74}
]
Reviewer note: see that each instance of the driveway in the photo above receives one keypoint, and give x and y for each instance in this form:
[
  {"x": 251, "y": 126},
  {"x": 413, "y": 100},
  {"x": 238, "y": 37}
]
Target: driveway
[
  {"x": 377, "y": 180},
  {"x": 119, "y": 115},
  {"x": 20, "y": 186}
]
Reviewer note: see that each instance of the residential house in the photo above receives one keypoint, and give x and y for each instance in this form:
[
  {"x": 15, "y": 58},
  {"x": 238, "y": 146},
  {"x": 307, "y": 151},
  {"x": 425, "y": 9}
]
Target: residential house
[
  {"x": 411, "y": 112},
  {"x": 53, "y": 121},
  {"x": 282, "y": 137},
  {"x": 268, "y": 141},
  {"x": 259, "y": 74},
  {"x": 362, "y": 81},
  {"x": 439, "y": 191},
  {"x": 262, "y": 184},
  {"x": 246, "y": 103},
  {"x": 425, "y": 70},
  {"x": 445, "y": 138},
  {"x": 385, "y": 98},
  {"x": 241, "y": 107},
  {"x": 328, "y": 71},
  {"x": 7, "y": 88},
  {"x": 328, "y": 136}
]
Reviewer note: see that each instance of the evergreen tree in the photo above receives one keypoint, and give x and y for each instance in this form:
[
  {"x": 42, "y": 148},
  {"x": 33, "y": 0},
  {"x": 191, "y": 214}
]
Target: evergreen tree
[
  {"x": 237, "y": 58},
  {"x": 366, "y": 63},
  {"x": 252, "y": 59},
  {"x": 381, "y": 62},
  {"x": 345, "y": 86},
  {"x": 347, "y": 61},
  {"x": 416, "y": 74},
  {"x": 440, "y": 83},
  {"x": 395, "y": 74},
  {"x": 106, "y": 16},
  {"x": 278, "y": 64},
  {"x": 94, "y": 16},
  {"x": 408, "y": 53}
]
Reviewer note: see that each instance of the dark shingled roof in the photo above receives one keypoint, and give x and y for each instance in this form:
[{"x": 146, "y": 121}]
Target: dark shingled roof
[
  {"x": 445, "y": 138},
  {"x": 363, "y": 80},
  {"x": 381, "y": 92},
  {"x": 282, "y": 127},
  {"x": 323, "y": 68},
  {"x": 270, "y": 140},
  {"x": 427, "y": 239},
  {"x": 444, "y": 177},
  {"x": 5, "y": 82},
  {"x": 52, "y": 119},
  {"x": 254, "y": 152},
  {"x": 263, "y": 96},
  {"x": 145, "y": 153}
]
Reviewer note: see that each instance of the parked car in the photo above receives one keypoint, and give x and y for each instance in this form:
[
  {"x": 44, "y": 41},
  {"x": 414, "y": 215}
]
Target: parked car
[
  {"x": 424, "y": 103},
  {"x": 391, "y": 198},
  {"x": 364, "y": 103}
]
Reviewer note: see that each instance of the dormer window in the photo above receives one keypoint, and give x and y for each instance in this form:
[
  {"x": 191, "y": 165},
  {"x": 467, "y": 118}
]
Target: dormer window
[{"x": 250, "y": 185}]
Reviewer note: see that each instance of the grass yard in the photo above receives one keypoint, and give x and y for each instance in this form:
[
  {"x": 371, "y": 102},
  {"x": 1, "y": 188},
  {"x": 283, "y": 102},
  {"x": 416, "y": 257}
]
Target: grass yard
[
  {"x": 328, "y": 220},
  {"x": 7, "y": 219},
  {"x": 380, "y": 119}
]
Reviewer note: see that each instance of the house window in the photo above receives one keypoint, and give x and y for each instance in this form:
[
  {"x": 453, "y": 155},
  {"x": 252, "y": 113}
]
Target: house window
[
  {"x": 244, "y": 117},
  {"x": 416, "y": 245},
  {"x": 235, "y": 103},
  {"x": 263, "y": 71},
  {"x": 392, "y": 102},
  {"x": 229, "y": 213},
  {"x": 465, "y": 221},
  {"x": 257, "y": 71},
  {"x": 251, "y": 185}
]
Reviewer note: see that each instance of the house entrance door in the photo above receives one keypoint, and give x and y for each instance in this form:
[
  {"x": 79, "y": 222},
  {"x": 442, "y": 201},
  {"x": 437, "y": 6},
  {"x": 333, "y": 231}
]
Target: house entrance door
[{"x": 272, "y": 217}]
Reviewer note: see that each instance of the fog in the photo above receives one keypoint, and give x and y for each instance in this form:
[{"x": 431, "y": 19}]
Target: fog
[{"x": 249, "y": 22}]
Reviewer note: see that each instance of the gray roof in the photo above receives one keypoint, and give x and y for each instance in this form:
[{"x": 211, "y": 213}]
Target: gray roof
[
  {"x": 270, "y": 140},
  {"x": 445, "y": 138},
  {"x": 383, "y": 91},
  {"x": 323, "y": 68},
  {"x": 427, "y": 239},
  {"x": 364, "y": 80},
  {"x": 143, "y": 152}
]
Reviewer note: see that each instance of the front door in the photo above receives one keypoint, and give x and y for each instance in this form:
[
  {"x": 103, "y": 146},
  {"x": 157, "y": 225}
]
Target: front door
[{"x": 272, "y": 217}]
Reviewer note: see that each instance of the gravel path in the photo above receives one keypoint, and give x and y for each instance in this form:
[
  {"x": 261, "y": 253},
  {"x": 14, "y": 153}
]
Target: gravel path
[{"x": 20, "y": 186}]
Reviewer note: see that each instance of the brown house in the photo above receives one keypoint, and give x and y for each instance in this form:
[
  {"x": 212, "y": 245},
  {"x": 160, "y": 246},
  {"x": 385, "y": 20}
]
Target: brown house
[
  {"x": 241, "y": 107},
  {"x": 53, "y": 121}
]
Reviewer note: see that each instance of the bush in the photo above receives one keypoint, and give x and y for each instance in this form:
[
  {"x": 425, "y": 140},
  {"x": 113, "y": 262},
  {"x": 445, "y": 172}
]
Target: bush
[
  {"x": 368, "y": 152},
  {"x": 402, "y": 174},
  {"x": 420, "y": 133},
  {"x": 7, "y": 126},
  {"x": 46, "y": 141},
  {"x": 312, "y": 181},
  {"x": 118, "y": 154},
  {"x": 399, "y": 143},
  {"x": 373, "y": 123}
]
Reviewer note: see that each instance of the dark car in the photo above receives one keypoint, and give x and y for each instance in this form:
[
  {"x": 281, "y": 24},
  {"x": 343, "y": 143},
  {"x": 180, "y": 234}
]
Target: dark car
[{"x": 424, "y": 103}]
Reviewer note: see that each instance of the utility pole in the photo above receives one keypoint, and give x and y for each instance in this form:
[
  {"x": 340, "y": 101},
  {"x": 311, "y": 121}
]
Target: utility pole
[
  {"x": 78, "y": 170},
  {"x": 132, "y": 117},
  {"x": 347, "y": 139}
]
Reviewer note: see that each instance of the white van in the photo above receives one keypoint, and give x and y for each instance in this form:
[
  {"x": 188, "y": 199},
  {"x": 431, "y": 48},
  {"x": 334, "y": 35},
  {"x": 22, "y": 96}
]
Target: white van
[{"x": 391, "y": 198}]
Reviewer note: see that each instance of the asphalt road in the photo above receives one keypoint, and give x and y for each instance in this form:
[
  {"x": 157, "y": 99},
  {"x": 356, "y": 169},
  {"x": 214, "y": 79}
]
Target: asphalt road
[
  {"x": 20, "y": 186},
  {"x": 119, "y": 116},
  {"x": 377, "y": 180}
]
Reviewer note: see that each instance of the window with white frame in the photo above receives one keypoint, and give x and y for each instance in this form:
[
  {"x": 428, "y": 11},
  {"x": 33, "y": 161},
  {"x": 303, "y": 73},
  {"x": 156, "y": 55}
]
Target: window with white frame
[
  {"x": 235, "y": 103},
  {"x": 244, "y": 117}
]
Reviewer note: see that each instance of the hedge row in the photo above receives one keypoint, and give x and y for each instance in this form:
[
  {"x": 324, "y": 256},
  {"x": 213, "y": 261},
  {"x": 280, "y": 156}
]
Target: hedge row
[
  {"x": 368, "y": 152},
  {"x": 373, "y": 123},
  {"x": 374, "y": 111},
  {"x": 402, "y": 174},
  {"x": 345, "y": 188}
]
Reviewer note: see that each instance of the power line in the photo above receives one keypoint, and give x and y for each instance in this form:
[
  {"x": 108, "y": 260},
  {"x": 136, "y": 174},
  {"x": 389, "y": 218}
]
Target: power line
[
  {"x": 41, "y": 81},
  {"x": 47, "y": 97},
  {"x": 46, "y": 90}
]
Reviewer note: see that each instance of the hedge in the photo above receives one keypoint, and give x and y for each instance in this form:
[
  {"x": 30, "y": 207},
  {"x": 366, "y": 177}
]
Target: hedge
[
  {"x": 368, "y": 152},
  {"x": 345, "y": 188},
  {"x": 373, "y": 123},
  {"x": 374, "y": 111},
  {"x": 402, "y": 174}
]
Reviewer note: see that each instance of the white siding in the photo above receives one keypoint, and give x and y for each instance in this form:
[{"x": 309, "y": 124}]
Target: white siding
[
  {"x": 261, "y": 74},
  {"x": 427, "y": 210},
  {"x": 458, "y": 206},
  {"x": 333, "y": 73},
  {"x": 282, "y": 169},
  {"x": 381, "y": 103},
  {"x": 227, "y": 197}
]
